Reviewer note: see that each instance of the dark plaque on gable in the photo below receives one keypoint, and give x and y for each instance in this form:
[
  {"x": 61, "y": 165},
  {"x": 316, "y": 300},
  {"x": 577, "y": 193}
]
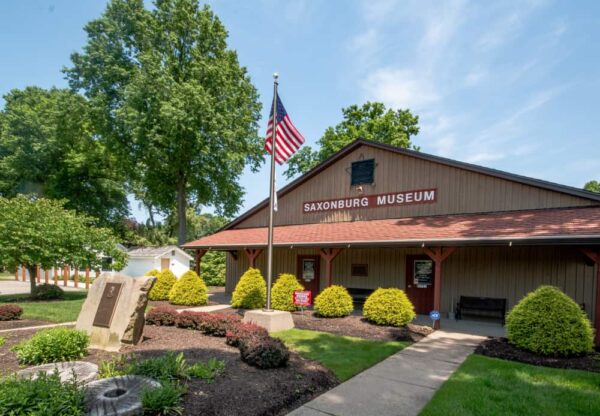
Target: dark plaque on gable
[
  {"x": 106, "y": 307},
  {"x": 363, "y": 172}
]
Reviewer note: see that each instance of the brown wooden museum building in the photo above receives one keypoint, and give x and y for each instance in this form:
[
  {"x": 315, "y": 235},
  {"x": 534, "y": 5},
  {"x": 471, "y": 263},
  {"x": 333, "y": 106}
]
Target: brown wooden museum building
[{"x": 374, "y": 215}]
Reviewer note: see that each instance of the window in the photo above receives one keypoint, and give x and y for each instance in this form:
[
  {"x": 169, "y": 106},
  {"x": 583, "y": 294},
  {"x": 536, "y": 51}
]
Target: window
[
  {"x": 363, "y": 172},
  {"x": 360, "y": 270}
]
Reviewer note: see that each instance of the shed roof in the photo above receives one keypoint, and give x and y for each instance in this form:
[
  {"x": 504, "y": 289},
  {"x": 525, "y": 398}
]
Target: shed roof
[
  {"x": 155, "y": 252},
  {"x": 549, "y": 226}
]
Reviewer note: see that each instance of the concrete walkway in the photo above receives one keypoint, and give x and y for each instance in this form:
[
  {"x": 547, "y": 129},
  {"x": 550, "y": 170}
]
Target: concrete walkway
[
  {"x": 12, "y": 287},
  {"x": 400, "y": 385}
]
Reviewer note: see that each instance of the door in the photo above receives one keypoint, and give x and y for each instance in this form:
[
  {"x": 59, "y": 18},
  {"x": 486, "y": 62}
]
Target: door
[
  {"x": 164, "y": 264},
  {"x": 308, "y": 273},
  {"x": 419, "y": 282}
]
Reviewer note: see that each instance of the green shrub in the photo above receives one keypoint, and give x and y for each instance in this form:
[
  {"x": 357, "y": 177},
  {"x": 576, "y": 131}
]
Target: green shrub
[
  {"x": 114, "y": 367},
  {"x": 164, "y": 400},
  {"x": 334, "y": 302},
  {"x": 153, "y": 272},
  {"x": 207, "y": 371},
  {"x": 47, "y": 291},
  {"x": 2, "y": 341},
  {"x": 167, "y": 367},
  {"x": 46, "y": 395},
  {"x": 283, "y": 291},
  {"x": 189, "y": 290},
  {"x": 213, "y": 268},
  {"x": 251, "y": 291},
  {"x": 389, "y": 307},
  {"x": 548, "y": 322},
  {"x": 163, "y": 284},
  {"x": 52, "y": 345}
]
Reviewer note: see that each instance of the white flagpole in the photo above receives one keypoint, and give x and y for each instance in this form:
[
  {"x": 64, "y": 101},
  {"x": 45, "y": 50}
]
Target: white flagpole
[{"x": 271, "y": 196}]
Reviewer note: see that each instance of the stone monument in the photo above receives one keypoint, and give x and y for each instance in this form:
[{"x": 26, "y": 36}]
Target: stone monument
[{"x": 113, "y": 312}]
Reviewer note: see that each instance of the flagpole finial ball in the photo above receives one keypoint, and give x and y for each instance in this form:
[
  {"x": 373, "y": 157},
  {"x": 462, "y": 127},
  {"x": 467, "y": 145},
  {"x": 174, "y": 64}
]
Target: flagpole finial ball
[{"x": 275, "y": 76}]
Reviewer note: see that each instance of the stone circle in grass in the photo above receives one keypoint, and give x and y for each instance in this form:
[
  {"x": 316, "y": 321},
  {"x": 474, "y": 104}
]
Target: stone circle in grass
[
  {"x": 82, "y": 371},
  {"x": 117, "y": 396}
]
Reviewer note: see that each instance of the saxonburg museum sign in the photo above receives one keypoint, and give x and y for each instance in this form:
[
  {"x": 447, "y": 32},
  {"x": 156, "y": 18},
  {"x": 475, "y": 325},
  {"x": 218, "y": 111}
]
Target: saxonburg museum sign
[{"x": 420, "y": 196}]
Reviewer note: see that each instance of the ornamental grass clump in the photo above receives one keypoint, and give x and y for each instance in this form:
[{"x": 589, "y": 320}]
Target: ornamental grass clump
[
  {"x": 389, "y": 307},
  {"x": 52, "y": 345},
  {"x": 251, "y": 291},
  {"x": 283, "y": 291},
  {"x": 548, "y": 322},
  {"x": 334, "y": 302},
  {"x": 163, "y": 284},
  {"x": 189, "y": 290}
]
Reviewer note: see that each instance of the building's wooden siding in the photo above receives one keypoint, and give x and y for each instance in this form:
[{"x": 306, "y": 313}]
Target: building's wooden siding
[
  {"x": 473, "y": 271},
  {"x": 458, "y": 191}
]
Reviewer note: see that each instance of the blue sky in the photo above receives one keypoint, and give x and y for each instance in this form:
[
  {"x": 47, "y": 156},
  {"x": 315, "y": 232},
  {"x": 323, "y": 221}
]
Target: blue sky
[{"x": 512, "y": 85}]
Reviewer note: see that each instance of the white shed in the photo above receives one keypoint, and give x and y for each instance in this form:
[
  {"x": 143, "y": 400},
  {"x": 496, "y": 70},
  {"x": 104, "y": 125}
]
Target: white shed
[{"x": 142, "y": 260}]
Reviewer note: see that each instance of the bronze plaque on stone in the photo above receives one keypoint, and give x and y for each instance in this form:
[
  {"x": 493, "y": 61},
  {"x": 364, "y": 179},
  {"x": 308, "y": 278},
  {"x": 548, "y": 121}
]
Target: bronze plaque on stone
[{"x": 106, "y": 307}]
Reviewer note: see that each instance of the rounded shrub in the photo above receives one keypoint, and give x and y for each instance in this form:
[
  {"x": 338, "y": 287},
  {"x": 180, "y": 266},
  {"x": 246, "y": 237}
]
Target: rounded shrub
[
  {"x": 389, "y": 307},
  {"x": 189, "y": 290},
  {"x": 10, "y": 312},
  {"x": 47, "y": 291},
  {"x": 548, "y": 322},
  {"x": 162, "y": 316},
  {"x": 153, "y": 272},
  {"x": 334, "y": 302},
  {"x": 282, "y": 292},
  {"x": 163, "y": 284},
  {"x": 52, "y": 345},
  {"x": 251, "y": 291}
]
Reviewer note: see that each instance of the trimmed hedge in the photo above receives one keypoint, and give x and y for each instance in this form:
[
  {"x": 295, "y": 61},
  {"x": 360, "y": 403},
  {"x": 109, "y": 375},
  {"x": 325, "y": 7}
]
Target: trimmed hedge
[
  {"x": 334, "y": 302},
  {"x": 52, "y": 345},
  {"x": 283, "y": 291},
  {"x": 47, "y": 291},
  {"x": 389, "y": 307},
  {"x": 162, "y": 316},
  {"x": 189, "y": 290},
  {"x": 251, "y": 291},
  {"x": 10, "y": 312},
  {"x": 265, "y": 353},
  {"x": 548, "y": 322},
  {"x": 163, "y": 284},
  {"x": 244, "y": 332}
]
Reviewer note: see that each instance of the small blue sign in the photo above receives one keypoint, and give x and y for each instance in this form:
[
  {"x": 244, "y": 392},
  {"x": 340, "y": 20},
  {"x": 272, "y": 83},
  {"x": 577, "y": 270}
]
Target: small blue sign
[{"x": 434, "y": 315}]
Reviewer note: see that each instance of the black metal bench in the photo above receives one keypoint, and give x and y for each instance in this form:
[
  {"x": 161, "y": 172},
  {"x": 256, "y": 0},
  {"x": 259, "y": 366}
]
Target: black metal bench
[
  {"x": 359, "y": 295},
  {"x": 486, "y": 307}
]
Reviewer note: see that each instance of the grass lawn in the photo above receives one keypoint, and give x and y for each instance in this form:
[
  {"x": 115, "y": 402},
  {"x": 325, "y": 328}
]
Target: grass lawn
[
  {"x": 345, "y": 356},
  {"x": 488, "y": 386},
  {"x": 7, "y": 276},
  {"x": 65, "y": 310}
]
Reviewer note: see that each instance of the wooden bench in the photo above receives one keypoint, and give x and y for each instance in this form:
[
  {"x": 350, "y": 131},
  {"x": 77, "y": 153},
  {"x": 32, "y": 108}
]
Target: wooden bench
[
  {"x": 486, "y": 307},
  {"x": 359, "y": 295}
]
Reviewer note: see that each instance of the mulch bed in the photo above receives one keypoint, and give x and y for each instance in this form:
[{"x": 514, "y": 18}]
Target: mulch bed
[
  {"x": 501, "y": 348},
  {"x": 241, "y": 390},
  {"x": 357, "y": 326},
  {"x": 21, "y": 323}
]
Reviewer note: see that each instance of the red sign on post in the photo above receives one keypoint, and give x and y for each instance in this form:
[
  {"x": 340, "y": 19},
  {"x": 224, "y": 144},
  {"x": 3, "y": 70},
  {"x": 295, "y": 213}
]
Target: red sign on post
[{"x": 302, "y": 298}]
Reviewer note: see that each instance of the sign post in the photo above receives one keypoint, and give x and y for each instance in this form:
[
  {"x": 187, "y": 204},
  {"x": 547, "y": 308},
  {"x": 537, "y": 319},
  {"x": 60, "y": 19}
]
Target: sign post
[
  {"x": 434, "y": 316},
  {"x": 302, "y": 298}
]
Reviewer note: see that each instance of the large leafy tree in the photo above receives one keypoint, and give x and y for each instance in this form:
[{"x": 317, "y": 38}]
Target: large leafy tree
[
  {"x": 372, "y": 121},
  {"x": 172, "y": 101},
  {"x": 47, "y": 148},
  {"x": 41, "y": 232},
  {"x": 593, "y": 186}
]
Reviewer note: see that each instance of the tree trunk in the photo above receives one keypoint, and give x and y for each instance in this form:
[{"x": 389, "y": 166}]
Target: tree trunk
[
  {"x": 181, "y": 206},
  {"x": 32, "y": 271},
  {"x": 151, "y": 215}
]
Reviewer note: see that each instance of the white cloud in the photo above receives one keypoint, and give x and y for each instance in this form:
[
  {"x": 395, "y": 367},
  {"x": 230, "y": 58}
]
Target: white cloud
[{"x": 400, "y": 88}]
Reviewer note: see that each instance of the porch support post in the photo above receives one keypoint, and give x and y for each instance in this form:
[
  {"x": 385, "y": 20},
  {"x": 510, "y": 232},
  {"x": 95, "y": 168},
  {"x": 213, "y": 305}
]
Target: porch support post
[
  {"x": 17, "y": 273},
  {"x": 23, "y": 273},
  {"x": 46, "y": 275},
  {"x": 438, "y": 255},
  {"x": 87, "y": 277},
  {"x": 595, "y": 257},
  {"x": 328, "y": 254},
  {"x": 252, "y": 254},
  {"x": 198, "y": 259}
]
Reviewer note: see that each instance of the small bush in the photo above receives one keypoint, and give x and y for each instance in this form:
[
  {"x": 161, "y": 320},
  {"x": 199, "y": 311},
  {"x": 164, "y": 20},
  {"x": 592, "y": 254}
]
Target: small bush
[
  {"x": 207, "y": 371},
  {"x": 265, "y": 353},
  {"x": 548, "y": 322},
  {"x": 334, "y": 302},
  {"x": 217, "y": 324},
  {"x": 163, "y": 284},
  {"x": 46, "y": 395},
  {"x": 47, "y": 291},
  {"x": 245, "y": 332},
  {"x": 189, "y": 319},
  {"x": 164, "y": 400},
  {"x": 114, "y": 367},
  {"x": 189, "y": 290},
  {"x": 389, "y": 307},
  {"x": 251, "y": 291},
  {"x": 167, "y": 367},
  {"x": 52, "y": 345},
  {"x": 282, "y": 292},
  {"x": 153, "y": 272},
  {"x": 10, "y": 312},
  {"x": 161, "y": 316}
]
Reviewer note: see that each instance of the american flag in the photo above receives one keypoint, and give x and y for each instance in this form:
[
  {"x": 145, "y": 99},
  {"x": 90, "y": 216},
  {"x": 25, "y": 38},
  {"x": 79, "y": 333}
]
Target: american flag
[{"x": 288, "y": 138}]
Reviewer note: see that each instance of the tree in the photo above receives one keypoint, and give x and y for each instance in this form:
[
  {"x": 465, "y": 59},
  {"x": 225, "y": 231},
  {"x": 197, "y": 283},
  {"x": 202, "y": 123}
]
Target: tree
[
  {"x": 593, "y": 186},
  {"x": 47, "y": 149},
  {"x": 172, "y": 101},
  {"x": 372, "y": 121},
  {"x": 41, "y": 232}
]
